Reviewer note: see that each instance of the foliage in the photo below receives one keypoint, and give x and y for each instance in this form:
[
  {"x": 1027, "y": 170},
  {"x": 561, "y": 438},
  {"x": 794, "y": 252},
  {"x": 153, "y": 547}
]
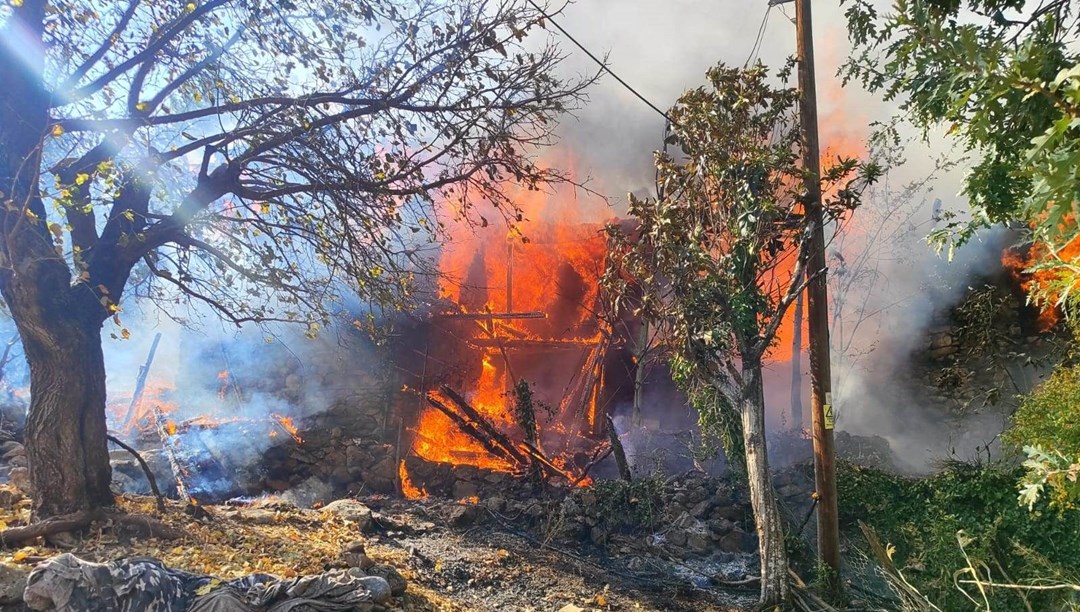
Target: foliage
[
  {"x": 632, "y": 505},
  {"x": 1048, "y": 417},
  {"x": 265, "y": 158},
  {"x": 923, "y": 517},
  {"x": 717, "y": 259},
  {"x": 1004, "y": 79},
  {"x": 524, "y": 410},
  {"x": 1053, "y": 471}
]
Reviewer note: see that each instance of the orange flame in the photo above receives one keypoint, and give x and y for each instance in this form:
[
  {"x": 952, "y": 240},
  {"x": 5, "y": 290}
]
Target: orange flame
[
  {"x": 1019, "y": 261},
  {"x": 408, "y": 489},
  {"x": 288, "y": 425},
  {"x": 549, "y": 265}
]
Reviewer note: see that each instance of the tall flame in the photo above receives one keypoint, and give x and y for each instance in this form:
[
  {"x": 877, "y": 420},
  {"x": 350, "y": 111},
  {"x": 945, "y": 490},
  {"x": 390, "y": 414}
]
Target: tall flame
[{"x": 546, "y": 267}]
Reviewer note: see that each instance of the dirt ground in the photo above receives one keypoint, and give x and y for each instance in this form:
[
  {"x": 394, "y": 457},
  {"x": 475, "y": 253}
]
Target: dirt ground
[{"x": 488, "y": 564}]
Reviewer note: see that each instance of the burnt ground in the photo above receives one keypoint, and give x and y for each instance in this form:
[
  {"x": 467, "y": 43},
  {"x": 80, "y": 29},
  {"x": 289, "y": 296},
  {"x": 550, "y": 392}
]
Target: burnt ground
[
  {"x": 454, "y": 556},
  {"x": 494, "y": 565}
]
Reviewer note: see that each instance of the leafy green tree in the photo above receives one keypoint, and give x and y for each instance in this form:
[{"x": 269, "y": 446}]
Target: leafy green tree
[
  {"x": 257, "y": 156},
  {"x": 1003, "y": 76},
  {"x": 718, "y": 258}
]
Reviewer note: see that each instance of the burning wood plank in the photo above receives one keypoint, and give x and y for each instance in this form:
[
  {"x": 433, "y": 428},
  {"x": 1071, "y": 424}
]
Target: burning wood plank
[
  {"x": 485, "y": 425},
  {"x": 494, "y": 316},
  {"x": 546, "y": 463},
  {"x": 140, "y": 386},
  {"x": 620, "y": 452},
  {"x": 526, "y": 343},
  {"x": 524, "y": 455},
  {"x": 170, "y": 453},
  {"x": 493, "y": 447}
]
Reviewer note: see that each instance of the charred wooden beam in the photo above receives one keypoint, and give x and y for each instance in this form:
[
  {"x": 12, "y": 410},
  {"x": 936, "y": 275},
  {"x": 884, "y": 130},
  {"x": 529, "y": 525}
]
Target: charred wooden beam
[
  {"x": 526, "y": 343},
  {"x": 140, "y": 386},
  {"x": 545, "y": 463},
  {"x": 473, "y": 431},
  {"x": 484, "y": 424},
  {"x": 170, "y": 453},
  {"x": 492, "y": 316},
  {"x": 620, "y": 452}
]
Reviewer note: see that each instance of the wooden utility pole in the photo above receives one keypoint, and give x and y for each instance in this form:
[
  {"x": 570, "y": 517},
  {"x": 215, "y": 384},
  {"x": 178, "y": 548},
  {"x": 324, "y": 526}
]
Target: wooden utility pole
[{"x": 817, "y": 305}]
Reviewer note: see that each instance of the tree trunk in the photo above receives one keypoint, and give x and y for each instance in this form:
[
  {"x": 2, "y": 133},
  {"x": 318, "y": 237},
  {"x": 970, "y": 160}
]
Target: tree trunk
[
  {"x": 59, "y": 321},
  {"x": 65, "y": 428},
  {"x": 767, "y": 520}
]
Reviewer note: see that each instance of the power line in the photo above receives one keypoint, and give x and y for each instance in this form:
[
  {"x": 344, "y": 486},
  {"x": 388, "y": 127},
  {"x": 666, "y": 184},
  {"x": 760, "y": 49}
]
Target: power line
[
  {"x": 760, "y": 36},
  {"x": 602, "y": 65}
]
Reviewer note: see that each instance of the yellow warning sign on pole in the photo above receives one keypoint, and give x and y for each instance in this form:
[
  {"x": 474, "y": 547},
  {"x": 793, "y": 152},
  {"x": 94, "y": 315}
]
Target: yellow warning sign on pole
[{"x": 830, "y": 419}]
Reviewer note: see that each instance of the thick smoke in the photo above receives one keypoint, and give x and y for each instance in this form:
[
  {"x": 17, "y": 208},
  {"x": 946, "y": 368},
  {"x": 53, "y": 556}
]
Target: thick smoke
[{"x": 662, "y": 49}]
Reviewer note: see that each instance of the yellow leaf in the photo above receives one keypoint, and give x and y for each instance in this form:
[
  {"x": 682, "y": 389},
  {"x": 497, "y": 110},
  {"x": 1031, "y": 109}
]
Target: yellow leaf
[
  {"x": 197, "y": 96},
  {"x": 125, "y": 334},
  {"x": 190, "y": 6},
  {"x": 57, "y": 130},
  {"x": 15, "y": 3},
  {"x": 209, "y": 586},
  {"x": 141, "y": 106}
]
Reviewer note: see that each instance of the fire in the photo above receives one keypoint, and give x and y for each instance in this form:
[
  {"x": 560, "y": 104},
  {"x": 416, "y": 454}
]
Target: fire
[
  {"x": 1020, "y": 261},
  {"x": 287, "y": 424},
  {"x": 223, "y": 376},
  {"x": 408, "y": 489},
  {"x": 539, "y": 281}
]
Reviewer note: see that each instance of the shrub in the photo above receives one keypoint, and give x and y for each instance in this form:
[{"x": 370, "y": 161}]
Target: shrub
[
  {"x": 922, "y": 518},
  {"x": 1050, "y": 416}
]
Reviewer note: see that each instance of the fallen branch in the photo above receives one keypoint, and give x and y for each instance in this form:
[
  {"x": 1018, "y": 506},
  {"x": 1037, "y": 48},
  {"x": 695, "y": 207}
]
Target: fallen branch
[
  {"x": 57, "y": 524},
  {"x": 146, "y": 470},
  {"x": 141, "y": 524},
  {"x": 546, "y": 463},
  {"x": 601, "y": 454},
  {"x": 1024, "y": 587}
]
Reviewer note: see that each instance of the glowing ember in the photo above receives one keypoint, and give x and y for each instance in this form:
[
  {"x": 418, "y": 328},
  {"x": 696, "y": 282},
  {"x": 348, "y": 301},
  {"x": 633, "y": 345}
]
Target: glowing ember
[
  {"x": 408, "y": 489},
  {"x": 223, "y": 376}
]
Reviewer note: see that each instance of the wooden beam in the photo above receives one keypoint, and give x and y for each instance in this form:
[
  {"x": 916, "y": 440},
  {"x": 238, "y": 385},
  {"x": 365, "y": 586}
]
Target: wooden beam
[
  {"x": 496, "y": 316},
  {"x": 485, "y": 425},
  {"x": 526, "y": 343},
  {"x": 472, "y": 430}
]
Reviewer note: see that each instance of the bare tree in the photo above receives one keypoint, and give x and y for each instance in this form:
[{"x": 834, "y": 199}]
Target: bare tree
[{"x": 261, "y": 157}]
